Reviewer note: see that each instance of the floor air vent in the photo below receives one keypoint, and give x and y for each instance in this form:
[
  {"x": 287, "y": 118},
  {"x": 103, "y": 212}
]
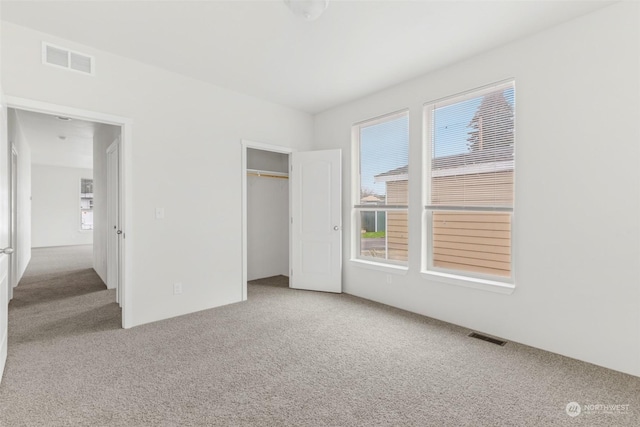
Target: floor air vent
[
  {"x": 64, "y": 58},
  {"x": 486, "y": 338}
]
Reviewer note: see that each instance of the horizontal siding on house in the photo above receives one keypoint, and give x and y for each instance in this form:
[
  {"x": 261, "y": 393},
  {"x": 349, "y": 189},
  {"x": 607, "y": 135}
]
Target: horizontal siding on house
[
  {"x": 397, "y": 224},
  {"x": 398, "y": 193},
  {"x": 486, "y": 189},
  {"x": 397, "y": 236},
  {"x": 479, "y": 242}
]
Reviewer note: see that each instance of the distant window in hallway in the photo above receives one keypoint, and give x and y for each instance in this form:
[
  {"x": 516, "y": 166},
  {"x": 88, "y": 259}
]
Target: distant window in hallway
[{"x": 86, "y": 204}]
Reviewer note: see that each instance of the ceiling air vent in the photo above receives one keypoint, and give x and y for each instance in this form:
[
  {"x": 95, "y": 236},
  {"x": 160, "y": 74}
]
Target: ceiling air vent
[{"x": 64, "y": 58}]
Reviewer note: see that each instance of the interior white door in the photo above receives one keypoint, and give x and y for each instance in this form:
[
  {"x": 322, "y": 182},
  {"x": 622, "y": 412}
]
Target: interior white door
[
  {"x": 113, "y": 218},
  {"x": 5, "y": 249},
  {"x": 316, "y": 212}
]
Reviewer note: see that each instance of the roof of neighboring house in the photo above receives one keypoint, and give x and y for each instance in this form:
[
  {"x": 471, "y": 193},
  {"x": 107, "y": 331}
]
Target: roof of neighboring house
[
  {"x": 398, "y": 171},
  {"x": 489, "y": 155},
  {"x": 481, "y": 161},
  {"x": 370, "y": 198}
]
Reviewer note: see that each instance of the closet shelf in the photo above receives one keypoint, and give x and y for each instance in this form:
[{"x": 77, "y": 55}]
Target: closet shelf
[{"x": 267, "y": 174}]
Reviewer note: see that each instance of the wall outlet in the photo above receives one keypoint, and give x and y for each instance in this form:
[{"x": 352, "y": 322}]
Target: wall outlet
[
  {"x": 389, "y": 279},
  {"x": 159, "y": 213},
  {"x": 177, "y": 288}
]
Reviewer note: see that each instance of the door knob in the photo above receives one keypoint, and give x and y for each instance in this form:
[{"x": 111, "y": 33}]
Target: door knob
[
  {"x": 119, "y": 232},
  {"x": 6, "y": 251},
  {"x": 335, "y": 227}
]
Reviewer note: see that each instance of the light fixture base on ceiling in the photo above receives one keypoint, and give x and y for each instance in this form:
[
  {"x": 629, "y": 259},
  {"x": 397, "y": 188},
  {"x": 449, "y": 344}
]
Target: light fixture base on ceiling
[{"x": 307, "y": 9}]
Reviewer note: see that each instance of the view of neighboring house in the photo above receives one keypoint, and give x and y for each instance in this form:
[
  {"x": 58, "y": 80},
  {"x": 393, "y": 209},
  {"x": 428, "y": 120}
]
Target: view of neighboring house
[
  {"x": 397, "y": 232},
  {"x": 459, "y": 180}
]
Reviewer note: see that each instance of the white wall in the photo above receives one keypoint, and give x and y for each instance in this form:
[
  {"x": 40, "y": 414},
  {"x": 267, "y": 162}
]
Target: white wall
[
  {"x": 577, "y": 209},
  {"x": 102, "y": 139},
  {"x": 4, "y": 228},
  {"x": 17, "y": 138},
  {"x": 186, "y": 159},
  {"x": 267, "y": 160},
  {"x": 55, "y": 219},
  {"x": 267, "y": 216}
]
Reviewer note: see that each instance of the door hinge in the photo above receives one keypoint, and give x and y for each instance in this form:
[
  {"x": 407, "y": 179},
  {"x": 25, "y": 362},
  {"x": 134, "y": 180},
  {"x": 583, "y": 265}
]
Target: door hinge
[
  {"x": 291, "y": 272},
  {"x": 291, "y": 220}
]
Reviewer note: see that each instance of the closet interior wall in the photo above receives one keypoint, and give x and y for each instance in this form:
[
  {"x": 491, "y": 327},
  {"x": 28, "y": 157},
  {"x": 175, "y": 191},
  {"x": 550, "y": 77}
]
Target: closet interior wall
[{"x": 267, "y": 214}]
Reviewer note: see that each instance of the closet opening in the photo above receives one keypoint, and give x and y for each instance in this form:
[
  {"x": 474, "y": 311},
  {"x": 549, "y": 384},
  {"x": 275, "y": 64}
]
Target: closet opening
[{"x": 266, "y": 215}]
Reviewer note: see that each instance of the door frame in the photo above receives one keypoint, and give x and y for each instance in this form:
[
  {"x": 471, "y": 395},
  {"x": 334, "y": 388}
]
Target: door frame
[
  {"x": 126, "y": 175},
  {"x": 114, "y": 147},
  {"x": 246, "y": 144},
  {"x": 13, "y": 218}
]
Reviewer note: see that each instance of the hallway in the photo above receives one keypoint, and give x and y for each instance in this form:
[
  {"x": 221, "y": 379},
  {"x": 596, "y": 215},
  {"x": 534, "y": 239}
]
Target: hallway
[
  {"x": 59, "y": 296},
  {"x": 60, "y": 309}
]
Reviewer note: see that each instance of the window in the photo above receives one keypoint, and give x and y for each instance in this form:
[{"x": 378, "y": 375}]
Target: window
[
  {"x": 86, "y": 204},
  {"x": 470, "y": 169},
  {"x": 381, "y": 190}
]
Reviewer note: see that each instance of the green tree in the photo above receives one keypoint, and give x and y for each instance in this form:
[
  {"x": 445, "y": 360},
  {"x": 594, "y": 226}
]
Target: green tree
[{"x": 492, "y": 124}]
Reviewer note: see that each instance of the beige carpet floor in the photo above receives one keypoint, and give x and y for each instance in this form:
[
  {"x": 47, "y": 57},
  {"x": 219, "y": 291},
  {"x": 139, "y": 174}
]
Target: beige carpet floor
[{"x": 282, "y": 358}]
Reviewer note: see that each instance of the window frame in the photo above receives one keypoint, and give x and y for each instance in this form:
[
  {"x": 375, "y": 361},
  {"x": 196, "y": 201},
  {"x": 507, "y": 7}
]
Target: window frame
[
  {"x": 385, "y": 265},
  {"x": 470, "y": 279}
]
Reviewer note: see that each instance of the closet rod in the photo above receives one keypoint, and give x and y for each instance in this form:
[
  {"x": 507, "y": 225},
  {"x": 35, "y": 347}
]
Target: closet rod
[{"x": 267, "y": 175}]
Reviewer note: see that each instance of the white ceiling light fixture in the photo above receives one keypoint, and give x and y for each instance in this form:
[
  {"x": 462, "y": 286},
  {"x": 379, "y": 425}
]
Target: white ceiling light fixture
[{"x": 307, "y": 9}]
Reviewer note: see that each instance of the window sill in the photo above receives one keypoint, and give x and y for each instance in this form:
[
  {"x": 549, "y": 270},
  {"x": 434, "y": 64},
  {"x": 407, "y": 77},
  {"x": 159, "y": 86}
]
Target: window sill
[
  {"x": 470, "y": 282},
  {"x": 387, "y": 268}
]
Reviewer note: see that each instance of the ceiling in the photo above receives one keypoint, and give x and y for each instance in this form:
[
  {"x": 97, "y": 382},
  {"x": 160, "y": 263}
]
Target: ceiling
[
  {"x": 261, "y": 49},
  {"x": 42, "y": 132}
]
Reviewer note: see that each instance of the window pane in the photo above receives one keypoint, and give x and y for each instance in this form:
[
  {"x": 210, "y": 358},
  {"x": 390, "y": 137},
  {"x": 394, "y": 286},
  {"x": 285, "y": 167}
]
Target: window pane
[
  {"x": 384, "y": 235},
  {"x": 384, "y": 159},
  {"x": 473, "y": 151},
  {"x": 373, "y": 238},
  {"x": 475, "y": 241}
]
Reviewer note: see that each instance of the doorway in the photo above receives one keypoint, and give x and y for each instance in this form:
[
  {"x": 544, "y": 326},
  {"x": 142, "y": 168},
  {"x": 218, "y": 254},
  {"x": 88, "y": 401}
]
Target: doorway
[
  {"x": 266, "y": 240},
  {"x": 306, "y": 244},
  {"x": 122, "y": 127}
]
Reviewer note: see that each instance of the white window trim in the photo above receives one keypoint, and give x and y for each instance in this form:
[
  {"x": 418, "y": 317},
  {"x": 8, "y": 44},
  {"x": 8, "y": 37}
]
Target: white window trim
[
  {"x": 455, "y": 277},
  {"x": 469, "y": 282},
  {"x": 387, "y": 266},
  {"x": 380, "y": 266}
]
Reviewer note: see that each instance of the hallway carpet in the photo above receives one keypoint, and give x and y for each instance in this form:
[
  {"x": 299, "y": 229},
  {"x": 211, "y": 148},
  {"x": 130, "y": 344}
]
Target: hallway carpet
[{"x": 282, "y": 358}]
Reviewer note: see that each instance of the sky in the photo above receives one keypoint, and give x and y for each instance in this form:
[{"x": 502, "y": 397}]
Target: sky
[
  {"x": 385, "y": 146},
  {"x": 451, "y": 124}
]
